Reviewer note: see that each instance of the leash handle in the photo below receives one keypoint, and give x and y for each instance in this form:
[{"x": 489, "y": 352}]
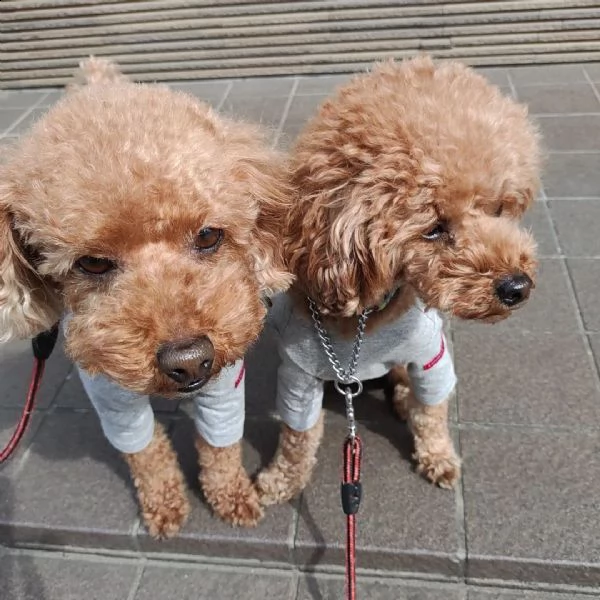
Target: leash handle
[{"x": 351, "y": 492}]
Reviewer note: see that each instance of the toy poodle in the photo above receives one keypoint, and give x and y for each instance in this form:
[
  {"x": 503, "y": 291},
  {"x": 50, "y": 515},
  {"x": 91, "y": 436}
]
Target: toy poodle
[
  {"x": 412, "y": 179},
  {"x": 149, "y": 223}
]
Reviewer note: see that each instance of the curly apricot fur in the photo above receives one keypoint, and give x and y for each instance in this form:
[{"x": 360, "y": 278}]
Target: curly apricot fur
[
  {"x": 160, "y": 485},
  {"x": 226, "y": 485},
  {"x": 132, "y": 173},
  {"x": 394, "y": 154}
]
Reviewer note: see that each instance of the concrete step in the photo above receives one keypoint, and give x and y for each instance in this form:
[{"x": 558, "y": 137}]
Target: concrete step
[{"x": 170, "y": 41}]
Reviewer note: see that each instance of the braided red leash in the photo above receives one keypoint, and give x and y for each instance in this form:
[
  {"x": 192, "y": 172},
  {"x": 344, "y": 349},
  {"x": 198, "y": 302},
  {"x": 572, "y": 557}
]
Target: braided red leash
[
  {"x": 351, "y": 495},
  {"x": 351, "y": 487},
  {"x": 43, "y": 345},
  {"x": 34, "y": 384}
]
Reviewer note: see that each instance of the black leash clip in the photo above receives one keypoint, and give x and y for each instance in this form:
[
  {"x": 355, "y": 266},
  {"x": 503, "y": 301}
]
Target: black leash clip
[
  {"x": 43, "y": 343},
  {"x": 351, "y": 496},
  {"x": 351, "y": 488}
]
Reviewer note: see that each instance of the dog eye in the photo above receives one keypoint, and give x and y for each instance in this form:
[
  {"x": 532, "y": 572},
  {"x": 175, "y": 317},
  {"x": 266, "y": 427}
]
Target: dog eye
[
  {"x": 437, "y": 232},
  {"x": 208, "y": 239},
  {"x": 94, "y": 265},
  {"x": 499, "y": 210}
]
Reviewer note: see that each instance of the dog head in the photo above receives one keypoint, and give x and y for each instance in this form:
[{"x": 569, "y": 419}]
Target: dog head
[
  {"x": 152, "y": 222},
  {"x": 416, "y": 174}
]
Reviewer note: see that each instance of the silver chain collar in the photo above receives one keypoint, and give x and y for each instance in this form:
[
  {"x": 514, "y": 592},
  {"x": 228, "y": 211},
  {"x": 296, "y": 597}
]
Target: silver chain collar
[{"x": 347, "y": 377}]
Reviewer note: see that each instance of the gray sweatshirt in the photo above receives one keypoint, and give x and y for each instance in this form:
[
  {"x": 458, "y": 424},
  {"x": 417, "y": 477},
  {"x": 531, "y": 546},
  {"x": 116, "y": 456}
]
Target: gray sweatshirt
[
  {"x": 127, "y": 418},
  {"x": 416, "y": 340}
]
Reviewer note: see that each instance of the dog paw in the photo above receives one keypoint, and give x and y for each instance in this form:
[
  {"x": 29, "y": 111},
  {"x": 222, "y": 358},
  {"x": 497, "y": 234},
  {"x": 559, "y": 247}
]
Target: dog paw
[
  {"x": 236, "y": 502},
  {"x": 274, "y": 487},
  {"x": 441, "y": 469},
  {"x": 164, "y": 511}
]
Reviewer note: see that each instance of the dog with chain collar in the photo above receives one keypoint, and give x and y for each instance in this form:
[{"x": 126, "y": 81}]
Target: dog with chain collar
[{"x": 411, "y": 182}]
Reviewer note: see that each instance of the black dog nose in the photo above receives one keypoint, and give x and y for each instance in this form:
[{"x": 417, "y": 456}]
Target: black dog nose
[
  {"x": 187, "y": 362},
  {"x": 513, "y": 289}
]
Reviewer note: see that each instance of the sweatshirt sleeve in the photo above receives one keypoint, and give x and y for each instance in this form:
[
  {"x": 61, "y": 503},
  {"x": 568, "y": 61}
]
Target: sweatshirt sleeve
[{"x": 431, "y": 371}]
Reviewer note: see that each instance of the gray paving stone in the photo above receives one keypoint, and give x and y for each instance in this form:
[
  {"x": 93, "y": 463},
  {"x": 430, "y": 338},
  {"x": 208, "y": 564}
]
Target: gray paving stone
[
  {"x": 495, "y": 75},
  {"x": 16, "y": 363},
  {"x": 208, "y": 91},
  {"x": 263, "y": 86},
  {"x": 595, "y": 345},
  {"x": 533, "y": 75},
  {"x": 205, "y": 534},
  {"x": 20, "y": 99},
  {"x": 8, "y": 116},
  {"x": 73, "y": 489},
  {"x": 503, "y": 594},
  {"x": 321, "y": 85},
  {"x": 266, "y": 110},
  {"x": 326, "y": 587},
  {"x": 550, "y": 308},
  {"x": 404, "y": 523},
  {"x": 9, "y": 417},
  {"x": 586, "y": 280},
  {"x": 593, "y": 70},
  {"x": 544, "y": 379},
  {"x": 301, "y": 110},
  {"x": 572, "y": 175},
  {"x": 8, "y": 421},
  {"x": 30, "y": 577},
  {"x": 158, "y": 583},
  {"x": 537, "y": 220},
  {"x": 507, "y": 91},
  {"x": 568, "y": 133},
  {"x": 531, "y": 505},
  {"x": 577, "y": 226},
  {"x": 28, "y": 121},
  {"x": 52, "y": 97},
  {"x": 575, "y": 98}
]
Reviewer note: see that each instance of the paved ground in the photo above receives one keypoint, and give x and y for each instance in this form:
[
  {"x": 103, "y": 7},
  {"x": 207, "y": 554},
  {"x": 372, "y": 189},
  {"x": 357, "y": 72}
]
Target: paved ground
[{"x": 527, "y": 420}]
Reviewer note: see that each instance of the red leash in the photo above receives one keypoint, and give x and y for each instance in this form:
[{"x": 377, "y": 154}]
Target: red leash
[
  {"x": 351, "y": 487},
  {"x": 351, "y": 495},
  {"x": 42, "y": 346}
]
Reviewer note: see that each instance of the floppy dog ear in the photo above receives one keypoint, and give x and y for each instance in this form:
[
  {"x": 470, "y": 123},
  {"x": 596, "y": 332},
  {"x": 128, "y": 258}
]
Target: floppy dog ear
[
  {"x": 266, "y": 178},
  {"x": 270, "y": 184},
  {"x": 329, "y": 250},
  {"x": 28, "y": 305},
  {"x": 267, "y": 252}
]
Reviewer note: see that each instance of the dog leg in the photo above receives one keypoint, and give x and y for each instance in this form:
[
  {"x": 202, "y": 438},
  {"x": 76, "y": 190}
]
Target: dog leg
[
  {"x": 292, "y": 466},
  {"x": 160, "y": 485},
  {"x": 434, "y": 450},
  {"x": 398, "y": 378},
  {"x": 226, "y": 485}
]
